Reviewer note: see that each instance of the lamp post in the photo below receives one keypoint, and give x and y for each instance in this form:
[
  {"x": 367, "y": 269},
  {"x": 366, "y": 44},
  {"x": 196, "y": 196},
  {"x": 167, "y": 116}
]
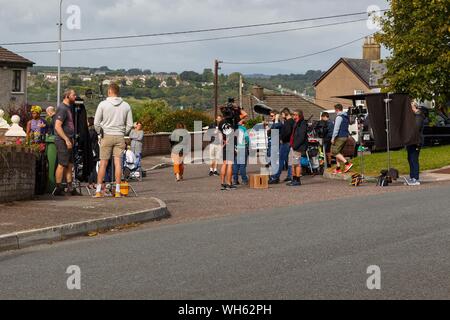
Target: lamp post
[{"x": 59, "y": 53}]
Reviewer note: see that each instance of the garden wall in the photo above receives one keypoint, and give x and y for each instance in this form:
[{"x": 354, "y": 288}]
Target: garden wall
[{"x": 17, "y": 173}]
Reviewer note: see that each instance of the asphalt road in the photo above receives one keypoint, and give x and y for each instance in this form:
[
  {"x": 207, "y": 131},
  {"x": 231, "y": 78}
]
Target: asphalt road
[{"x": 316, "y": 251}]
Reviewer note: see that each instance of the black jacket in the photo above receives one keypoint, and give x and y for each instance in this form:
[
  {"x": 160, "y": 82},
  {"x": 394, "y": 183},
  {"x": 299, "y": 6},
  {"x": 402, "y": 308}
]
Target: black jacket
[
  {"x": 420, "y": 125},
  {"x": 300, "y": 136},
  {"x": 286, "y": 131}
]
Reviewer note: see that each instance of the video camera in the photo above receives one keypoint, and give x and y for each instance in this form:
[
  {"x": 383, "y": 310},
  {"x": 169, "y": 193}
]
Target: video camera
[
  {"x": 357, "y": 111},
  {"x": 231, "y": 116}
]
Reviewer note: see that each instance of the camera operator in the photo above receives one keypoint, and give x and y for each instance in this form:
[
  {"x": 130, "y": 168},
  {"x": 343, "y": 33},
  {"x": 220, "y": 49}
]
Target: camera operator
[
  {"x": 233, "y": 116},
  {"x": 287, "y": 127},
  {"x": 325, "y": 128}
]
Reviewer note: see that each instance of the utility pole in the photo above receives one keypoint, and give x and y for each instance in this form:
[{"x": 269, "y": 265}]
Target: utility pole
[
  {"x": 241, "y": 88},
  {"x": 216, "y": 87},
  {"x": 59, "y": 53}
]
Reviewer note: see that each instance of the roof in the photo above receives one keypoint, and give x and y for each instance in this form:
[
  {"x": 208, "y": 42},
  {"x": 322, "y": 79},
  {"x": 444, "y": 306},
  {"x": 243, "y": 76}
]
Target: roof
[
  {"x": 10, "y": 58},
  {"x": 360, "y": 67},
  {"x": 280, "y": 101}
]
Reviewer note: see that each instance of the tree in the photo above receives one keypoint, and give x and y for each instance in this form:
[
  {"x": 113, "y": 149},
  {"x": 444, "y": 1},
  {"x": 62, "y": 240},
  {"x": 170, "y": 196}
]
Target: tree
[
  {"x": 134, "y": 72},
  {"x": 171, "y": 82},
  {"x": 190, "y": 76},
  {"x": 418, "y": 34},
  {"x": 152, "y": 82},
  {"x": 208, "y": 75}
]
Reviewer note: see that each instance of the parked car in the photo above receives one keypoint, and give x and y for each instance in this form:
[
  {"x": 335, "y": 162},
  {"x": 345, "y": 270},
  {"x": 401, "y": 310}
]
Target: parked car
[{"x": 437, "y": 127}]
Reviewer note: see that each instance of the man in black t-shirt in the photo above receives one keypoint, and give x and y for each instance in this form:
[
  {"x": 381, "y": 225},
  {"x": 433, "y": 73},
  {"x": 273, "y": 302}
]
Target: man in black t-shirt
[
  {"x": 64, "y": 129},
  {"x": 285, "y": 147},
  {"x": 228, "y": 127}
]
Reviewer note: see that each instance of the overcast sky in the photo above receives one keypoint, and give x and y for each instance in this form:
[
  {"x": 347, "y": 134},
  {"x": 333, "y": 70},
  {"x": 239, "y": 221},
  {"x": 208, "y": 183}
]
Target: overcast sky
[{"x": 30, "y": 20}]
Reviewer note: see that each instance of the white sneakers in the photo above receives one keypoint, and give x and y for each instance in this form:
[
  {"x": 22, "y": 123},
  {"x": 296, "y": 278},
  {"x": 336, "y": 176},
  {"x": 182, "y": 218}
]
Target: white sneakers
[{"x": 412, "y": 182}]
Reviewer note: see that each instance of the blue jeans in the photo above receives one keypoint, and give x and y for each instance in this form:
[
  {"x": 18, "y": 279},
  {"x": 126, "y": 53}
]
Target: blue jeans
[
  {"x": 285, "y": 149},
  {"x": 413, "y": 159},
  {"x": 242, "y": 170},
  {"x": 240, "y": 165}
]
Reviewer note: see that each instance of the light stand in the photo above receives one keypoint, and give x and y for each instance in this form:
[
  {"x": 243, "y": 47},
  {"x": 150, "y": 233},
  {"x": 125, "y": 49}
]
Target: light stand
[
  {"x": 387, "y": 103},
  {"x": 76, "y": 156}
]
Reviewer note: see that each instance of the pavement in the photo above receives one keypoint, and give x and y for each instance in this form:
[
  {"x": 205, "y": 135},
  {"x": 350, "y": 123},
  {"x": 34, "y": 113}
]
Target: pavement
[
  {"x": 315, "y": 250},
  {"x": 46, "y": 219}
]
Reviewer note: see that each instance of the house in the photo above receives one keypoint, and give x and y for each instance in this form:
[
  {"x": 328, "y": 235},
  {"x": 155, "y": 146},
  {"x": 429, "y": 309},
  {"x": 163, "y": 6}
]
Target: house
[
  {"x": 350, "y": 76},
  {"x": 278, "y": 101},
  {"x": 51, "y": 77},
  {"x": 13, "y": 78}
]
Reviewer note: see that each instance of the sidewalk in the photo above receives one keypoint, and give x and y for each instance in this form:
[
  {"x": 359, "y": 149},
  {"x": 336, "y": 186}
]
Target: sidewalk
[{"x": 47, "y": 219}]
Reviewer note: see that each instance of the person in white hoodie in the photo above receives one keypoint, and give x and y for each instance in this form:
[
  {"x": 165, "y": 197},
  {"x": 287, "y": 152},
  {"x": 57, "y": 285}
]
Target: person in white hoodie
[{"x": 113, "y": 121}]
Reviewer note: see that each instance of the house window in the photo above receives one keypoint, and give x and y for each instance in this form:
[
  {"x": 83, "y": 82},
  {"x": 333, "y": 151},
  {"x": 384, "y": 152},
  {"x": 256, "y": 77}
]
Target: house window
[
  {"x": 359, "y": 102},
  {"x": 17, "y": 81}
]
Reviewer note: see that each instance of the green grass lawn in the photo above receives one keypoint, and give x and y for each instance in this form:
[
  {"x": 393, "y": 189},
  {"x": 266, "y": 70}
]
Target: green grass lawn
[{"x": 430, "y": 158}]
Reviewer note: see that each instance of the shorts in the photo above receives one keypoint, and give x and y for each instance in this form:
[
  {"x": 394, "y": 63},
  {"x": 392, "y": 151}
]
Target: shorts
[
  {"x": 112, "y": 146},
  {"x": 228, "y": 153},
  {"x": 65, "y": 156},
  {"x": 295, "y": 157},
  {"x": 339, "y": 145},
  {"x": 215, "y": 151}
]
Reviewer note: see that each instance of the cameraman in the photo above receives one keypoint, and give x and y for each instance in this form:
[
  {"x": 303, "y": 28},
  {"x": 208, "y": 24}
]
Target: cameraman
[
  {"x": 326, "y": 128},
  {"x": 233, "y": 116}
]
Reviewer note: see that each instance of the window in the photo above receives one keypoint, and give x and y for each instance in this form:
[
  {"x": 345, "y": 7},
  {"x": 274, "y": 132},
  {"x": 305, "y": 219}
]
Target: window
[
  {"x": 359, "y": 102},
  {"x": 17, "y": 81}
]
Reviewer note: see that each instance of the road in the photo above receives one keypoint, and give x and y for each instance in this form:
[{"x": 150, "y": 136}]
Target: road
[{"x": 313, "y": 251}]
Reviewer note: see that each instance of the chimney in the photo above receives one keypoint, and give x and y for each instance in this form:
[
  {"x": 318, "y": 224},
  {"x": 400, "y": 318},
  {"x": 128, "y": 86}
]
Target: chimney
[
  {"x": 258, "y": 92},
  {"x": 371, "y": 49}
]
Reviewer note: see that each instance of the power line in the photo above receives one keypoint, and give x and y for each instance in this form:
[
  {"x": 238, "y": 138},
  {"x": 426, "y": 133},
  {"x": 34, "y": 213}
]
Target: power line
[
  {"x": 299, "y": 57},
  {"x": 189, "y": 31},
  {"x": 195, "y": 40}
]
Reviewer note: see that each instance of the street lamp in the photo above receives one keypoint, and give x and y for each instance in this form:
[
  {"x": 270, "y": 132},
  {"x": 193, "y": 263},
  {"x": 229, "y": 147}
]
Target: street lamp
[{"x": 59, "y": 53}]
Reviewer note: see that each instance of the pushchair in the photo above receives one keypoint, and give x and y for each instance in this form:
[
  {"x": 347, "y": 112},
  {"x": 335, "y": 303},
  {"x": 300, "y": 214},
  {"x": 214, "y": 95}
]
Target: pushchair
[
  {"x": 131, "y": 166},
  {"x": 313, "y": 162}
]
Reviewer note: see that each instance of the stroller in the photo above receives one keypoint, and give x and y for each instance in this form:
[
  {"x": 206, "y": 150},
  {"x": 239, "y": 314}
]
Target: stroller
[
  {"x": 313, "y": 162},
  {"x": 131, "y": 166}
]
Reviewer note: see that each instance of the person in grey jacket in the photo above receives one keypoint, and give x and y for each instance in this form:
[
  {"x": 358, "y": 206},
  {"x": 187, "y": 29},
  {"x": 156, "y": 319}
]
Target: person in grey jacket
[
  {"x": 113, "y": 121},
  {"x": 137, "y": 138}
]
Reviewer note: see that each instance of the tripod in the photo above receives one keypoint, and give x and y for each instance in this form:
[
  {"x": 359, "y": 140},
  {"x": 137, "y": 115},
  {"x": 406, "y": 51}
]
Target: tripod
[{"x": 78, "y": 159}]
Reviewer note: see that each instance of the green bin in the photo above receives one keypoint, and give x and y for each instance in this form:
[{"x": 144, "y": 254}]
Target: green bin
[{"x": 51, "y": 158}]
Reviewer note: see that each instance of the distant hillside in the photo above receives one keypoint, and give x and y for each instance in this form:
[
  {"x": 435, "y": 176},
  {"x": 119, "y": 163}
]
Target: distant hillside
[{"x": 302, "y": 83}]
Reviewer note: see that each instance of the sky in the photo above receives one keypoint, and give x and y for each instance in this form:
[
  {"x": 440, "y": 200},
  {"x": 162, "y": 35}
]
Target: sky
[{"x": 30, "y": 20}]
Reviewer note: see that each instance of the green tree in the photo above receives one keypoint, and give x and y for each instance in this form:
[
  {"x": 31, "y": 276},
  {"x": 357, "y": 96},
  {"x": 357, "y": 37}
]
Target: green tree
[
  {"x": 190, "y": 76},
  {"x": 152, "y": 82},
  {"x": 171, "y": 82},
  {"x": 208, "y": 75},
  {"x": 417, "y": 33}
]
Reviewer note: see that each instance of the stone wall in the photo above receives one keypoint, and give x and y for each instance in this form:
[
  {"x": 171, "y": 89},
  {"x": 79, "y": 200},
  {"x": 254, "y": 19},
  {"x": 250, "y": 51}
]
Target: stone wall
[{"x": 17, "y": 174}]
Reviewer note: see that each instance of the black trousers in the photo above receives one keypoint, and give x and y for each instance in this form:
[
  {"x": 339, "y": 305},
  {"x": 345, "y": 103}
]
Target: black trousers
[{"x": 413, "y": 159}]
